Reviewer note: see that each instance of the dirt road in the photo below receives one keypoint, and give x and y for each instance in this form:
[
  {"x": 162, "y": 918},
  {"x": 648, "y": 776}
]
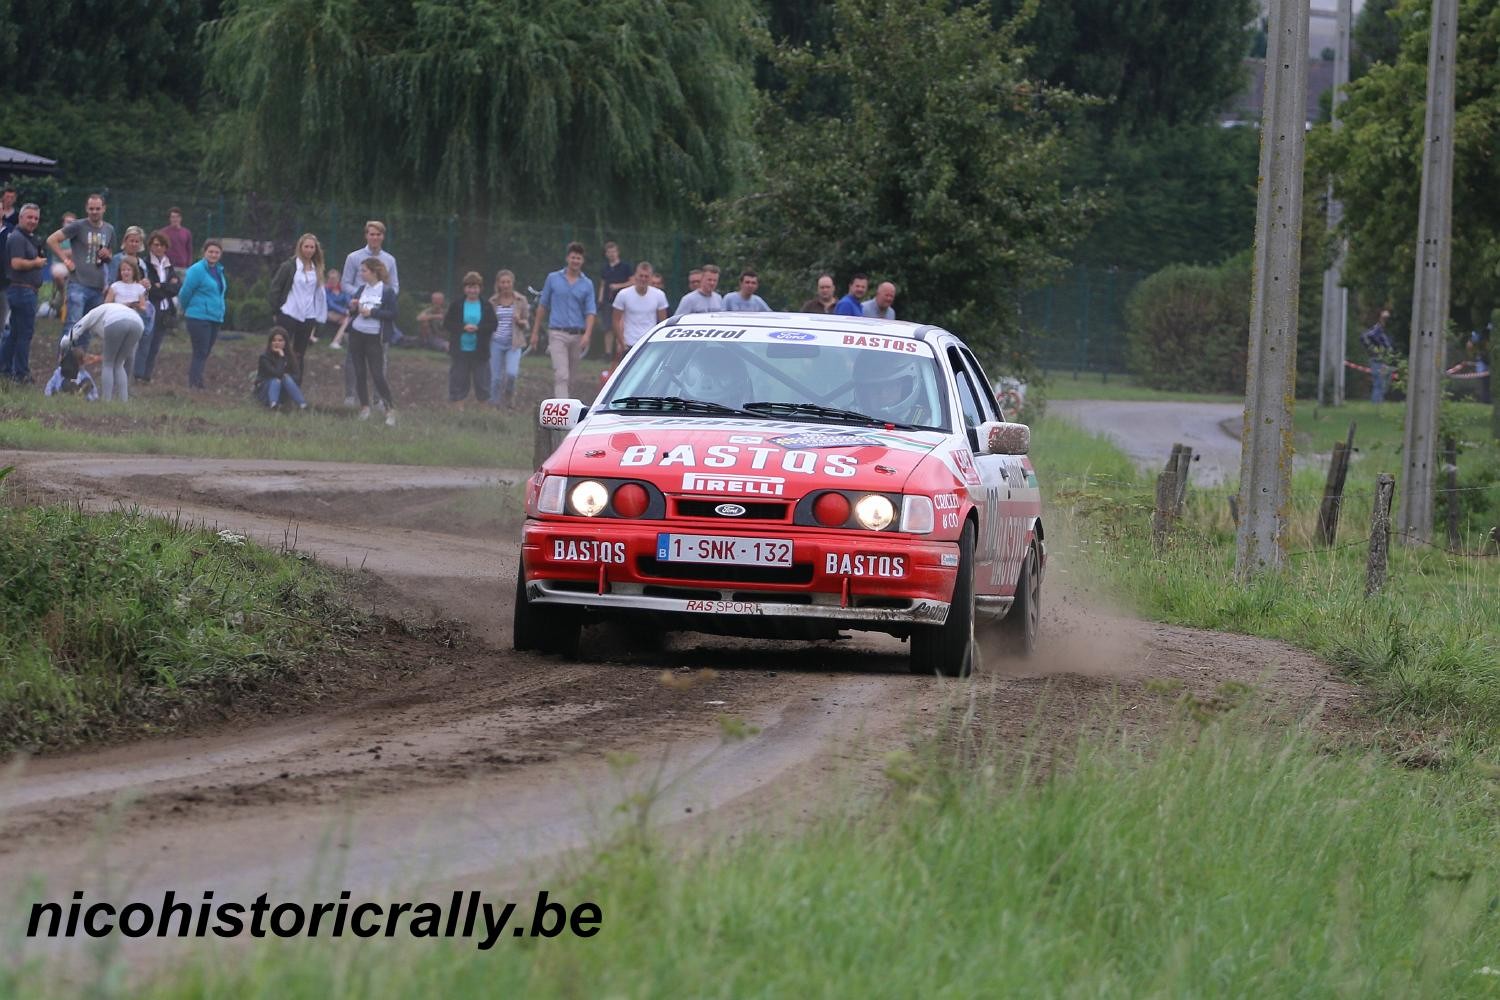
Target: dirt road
[{"x": 467, "y": 763}]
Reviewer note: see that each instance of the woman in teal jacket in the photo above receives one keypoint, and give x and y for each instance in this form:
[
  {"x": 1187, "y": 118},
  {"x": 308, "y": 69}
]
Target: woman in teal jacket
[{"x": 202, "y": 302}]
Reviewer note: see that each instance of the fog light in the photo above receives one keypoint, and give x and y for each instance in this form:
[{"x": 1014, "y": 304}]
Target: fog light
[
  {"x": 631, "y": 500},
  {"x": 831, "y": 510},
  {"x": 589, "y": 498},
  {"x": 874, "y": 512}
]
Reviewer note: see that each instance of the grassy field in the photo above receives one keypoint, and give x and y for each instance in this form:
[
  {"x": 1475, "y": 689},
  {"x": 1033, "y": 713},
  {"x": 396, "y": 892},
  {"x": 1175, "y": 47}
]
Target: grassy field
[
  {"x": 115, "y": 623},
  {"x": 1090, "y": 385}
]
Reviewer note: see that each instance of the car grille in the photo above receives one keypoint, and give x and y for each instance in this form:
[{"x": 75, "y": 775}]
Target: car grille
[
  {"x": 754, "y": 511},
  {"x": 800, "y": 573}
]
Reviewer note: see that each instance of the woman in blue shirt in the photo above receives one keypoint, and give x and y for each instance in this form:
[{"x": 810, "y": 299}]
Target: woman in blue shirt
[
  {"x": 470, "y": 324},
  {"x": 202, "y": 302}
]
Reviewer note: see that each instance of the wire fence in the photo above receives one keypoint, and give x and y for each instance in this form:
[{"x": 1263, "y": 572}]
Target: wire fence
[{"x": 1077, "y": 323}]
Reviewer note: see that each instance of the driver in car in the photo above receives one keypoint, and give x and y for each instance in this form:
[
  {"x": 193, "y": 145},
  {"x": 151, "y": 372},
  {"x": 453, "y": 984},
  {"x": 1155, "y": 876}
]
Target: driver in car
[
  {"x": 716, "y": 373},
  {"x": 889, "y": 387}
]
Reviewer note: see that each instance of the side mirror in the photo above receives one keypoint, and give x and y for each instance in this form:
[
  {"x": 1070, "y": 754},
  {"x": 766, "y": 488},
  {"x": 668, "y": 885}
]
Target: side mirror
[
  {"x": 561, "y": 414},
  {"x": 1005, "y": 439}
]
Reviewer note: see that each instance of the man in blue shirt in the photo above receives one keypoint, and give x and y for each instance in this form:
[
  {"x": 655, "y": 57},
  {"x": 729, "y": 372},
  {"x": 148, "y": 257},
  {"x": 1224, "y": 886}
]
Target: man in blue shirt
[
  {"x": 1378, "y": 343},
  {"x": 852, "y": 304},
  {"x": 568, "y": 308}
]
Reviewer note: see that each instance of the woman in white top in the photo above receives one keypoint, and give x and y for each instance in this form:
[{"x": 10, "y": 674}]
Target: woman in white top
[
  {"x": 129, "y": 289},
  {"x": 298, "y": 298},
  {"x": 512, "y": 322}
]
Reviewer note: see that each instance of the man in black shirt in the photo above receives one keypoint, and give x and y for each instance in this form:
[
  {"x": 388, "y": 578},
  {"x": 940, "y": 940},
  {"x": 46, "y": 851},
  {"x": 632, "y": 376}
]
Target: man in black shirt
[
  {"x": 616, "y": 276},
  {"x": 24, "y": 262}
]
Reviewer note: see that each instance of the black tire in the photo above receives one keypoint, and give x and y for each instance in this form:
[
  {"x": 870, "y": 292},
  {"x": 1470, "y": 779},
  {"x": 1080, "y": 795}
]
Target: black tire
[
  {"x": 541, "y": 627},
  {"x": 949, "y": 649},
  {"x": 1018, "y": 629}
]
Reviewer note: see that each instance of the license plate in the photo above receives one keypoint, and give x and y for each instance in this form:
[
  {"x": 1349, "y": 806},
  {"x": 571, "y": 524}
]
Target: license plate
[{"x": 723, "y": 549}]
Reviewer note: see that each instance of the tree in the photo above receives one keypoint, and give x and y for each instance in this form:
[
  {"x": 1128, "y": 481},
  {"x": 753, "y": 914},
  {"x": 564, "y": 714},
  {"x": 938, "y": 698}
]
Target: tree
[
  {"x": 1376, "y": 36},
  {"x": 941, "y": 174},
  {"x": 630, "y": 107},
  {"x": 1375, "y": 160}
]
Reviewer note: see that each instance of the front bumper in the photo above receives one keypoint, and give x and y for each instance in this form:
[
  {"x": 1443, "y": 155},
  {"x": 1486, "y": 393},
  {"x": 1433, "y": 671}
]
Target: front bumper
[{"x": 842, "y": 577}]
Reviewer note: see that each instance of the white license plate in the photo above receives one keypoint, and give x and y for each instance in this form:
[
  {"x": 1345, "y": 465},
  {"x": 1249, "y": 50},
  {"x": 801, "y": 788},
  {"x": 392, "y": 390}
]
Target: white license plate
[{"x": 723, "y": 549}]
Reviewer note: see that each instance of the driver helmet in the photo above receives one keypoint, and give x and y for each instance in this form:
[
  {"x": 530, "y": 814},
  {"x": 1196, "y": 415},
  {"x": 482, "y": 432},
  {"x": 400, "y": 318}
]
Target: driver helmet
[
  {"x": 717, "y": 373},
  {"x": 889, "y": 386}
]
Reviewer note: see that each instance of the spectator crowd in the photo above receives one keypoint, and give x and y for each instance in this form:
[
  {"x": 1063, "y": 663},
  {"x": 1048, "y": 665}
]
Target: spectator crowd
[{"x": 119, "y": 299}]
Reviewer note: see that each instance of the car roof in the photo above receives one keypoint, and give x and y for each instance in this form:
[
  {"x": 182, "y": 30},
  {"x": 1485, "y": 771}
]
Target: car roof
[{"x": 829, "y": 322}]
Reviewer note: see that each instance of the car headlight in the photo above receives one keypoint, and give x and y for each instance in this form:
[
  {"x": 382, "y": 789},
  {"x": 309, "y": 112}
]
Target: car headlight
[
  {"x": 916, "y": 514},
  {"x": 589, "y": 498},
  {"x": 549, "y": 499},
  {"x": 874, "y": 512}
]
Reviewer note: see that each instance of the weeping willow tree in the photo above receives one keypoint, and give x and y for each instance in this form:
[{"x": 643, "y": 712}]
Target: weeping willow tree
[{"x": 625, "y": 108}]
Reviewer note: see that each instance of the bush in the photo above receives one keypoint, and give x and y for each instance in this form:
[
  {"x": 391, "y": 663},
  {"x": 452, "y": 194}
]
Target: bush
[{"x": 1186, "y": 327}]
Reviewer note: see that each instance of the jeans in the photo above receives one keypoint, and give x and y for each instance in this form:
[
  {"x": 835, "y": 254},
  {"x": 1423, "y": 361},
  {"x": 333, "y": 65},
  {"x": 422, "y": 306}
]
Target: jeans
[
  {"x": 270, "y": 391},
  {"x": 468, "y": 370},
  {"x": 1380, "y": 380},
  {"x": 156, "y": 331},
  {"x": 80, "y": 300},
  {"x": 203, "y": 333},
  {"x": 120, "y": 340},
  {"x": 562, "y": 346},
  {"x": 350, "y": 391},
  {"x": 299, "y": 332},
  {"x": 503, "y": 361},
  {"x": 15, "y": 350}
]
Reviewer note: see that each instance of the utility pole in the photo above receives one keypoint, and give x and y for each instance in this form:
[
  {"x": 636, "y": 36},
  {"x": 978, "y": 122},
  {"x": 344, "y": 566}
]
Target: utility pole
[
  {"x": 1266, "y": 444},
  {"x": 1335, "y": 295},
  {"x": 1429, "y": 306}
]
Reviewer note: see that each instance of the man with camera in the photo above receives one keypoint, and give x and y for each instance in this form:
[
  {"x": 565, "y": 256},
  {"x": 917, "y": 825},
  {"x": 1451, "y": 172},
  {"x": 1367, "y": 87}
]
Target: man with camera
[
  {"x": 23, "y": 262},
  {"x": 87, "y": 257}
]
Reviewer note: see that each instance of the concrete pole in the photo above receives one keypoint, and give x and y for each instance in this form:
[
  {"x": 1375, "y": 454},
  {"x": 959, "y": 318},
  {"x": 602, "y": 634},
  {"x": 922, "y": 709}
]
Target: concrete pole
[
  {"x": 1266, "y": 444},
  {"x": 1335, "y": 295},
  {"x": 1429, "y": 306}
]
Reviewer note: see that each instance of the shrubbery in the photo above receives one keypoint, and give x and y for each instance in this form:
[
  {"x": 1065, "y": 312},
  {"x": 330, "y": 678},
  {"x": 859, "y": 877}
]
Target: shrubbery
[{"x": 1186, "y": 327}]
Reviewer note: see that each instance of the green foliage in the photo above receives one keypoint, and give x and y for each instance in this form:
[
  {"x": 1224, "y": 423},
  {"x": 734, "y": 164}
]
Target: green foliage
[
  {"x": 107, "y": 620},
  {"x": 1375, "y": 160},
  {"x": 1187, "y": 327},
  {"x": 1154, "y": 62},
  {"x": 1376, "y": 36},
  {"x": 942, "y": 175},
  {"x": 591, "y": 106},
  {"x": 1173, "y": 195}
]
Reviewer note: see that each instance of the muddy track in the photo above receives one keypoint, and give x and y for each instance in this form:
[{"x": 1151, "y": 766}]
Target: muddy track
[{"x": 473, "y": 760}]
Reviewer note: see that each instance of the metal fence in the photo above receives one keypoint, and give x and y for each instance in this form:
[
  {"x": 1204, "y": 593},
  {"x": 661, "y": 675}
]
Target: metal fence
[{"x": 1077, "y": 323}]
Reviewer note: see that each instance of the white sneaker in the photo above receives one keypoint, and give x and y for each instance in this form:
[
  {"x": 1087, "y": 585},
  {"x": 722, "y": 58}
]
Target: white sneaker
[
  {"x": 390, "y": 418},
  {"x": 364, "y": 413},
  {"x": 351, "y": 402}
]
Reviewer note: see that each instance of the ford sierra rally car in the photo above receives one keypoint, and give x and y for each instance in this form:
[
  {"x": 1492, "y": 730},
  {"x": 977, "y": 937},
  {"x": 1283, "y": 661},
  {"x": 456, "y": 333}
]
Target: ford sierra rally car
[{"x": 787, "y": 476}]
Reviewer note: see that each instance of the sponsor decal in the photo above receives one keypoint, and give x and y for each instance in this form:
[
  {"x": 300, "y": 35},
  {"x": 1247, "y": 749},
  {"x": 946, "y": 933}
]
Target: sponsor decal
[
  {"x": 844, "y": 564},
  {"x": 799, "y": 335},
  {"x": 950, "y": 521},
  {"x": 724, "y": 607},
  {"x": 702, "y": 333},
  {"x": 814, "y": 439},
  {"x": 744, "y": 439},
  {"x": 946, "y": 501},
  {"x": 884, "y": 343},
  {"x": 930, "y": 611},
  {"x": 964, "y": 459},
  {"x": 725, "y": 456},
  {"x": 768, "y": 486},
  {"x": 949, "y": 559},
  {"x": 587, "y": 550},
  {"x": 729, "y": 510},
  {"x": 556, "y": 414}
]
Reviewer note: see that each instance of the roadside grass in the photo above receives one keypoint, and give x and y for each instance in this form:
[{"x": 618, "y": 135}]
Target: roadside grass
[
  {"x": 1228, "y": 860},
  {"x": 1092, "y": 385},
  {"x": 1380, "y": 427},
  {"x": 1426, "y": 645},
  {"x": 123, "y": 622}
]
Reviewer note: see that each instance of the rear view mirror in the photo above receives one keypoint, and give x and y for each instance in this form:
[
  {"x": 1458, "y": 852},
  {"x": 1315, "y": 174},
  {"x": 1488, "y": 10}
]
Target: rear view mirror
[
  {"x": 1005, "y": 439},
  {"x": 560, "y": 414}
]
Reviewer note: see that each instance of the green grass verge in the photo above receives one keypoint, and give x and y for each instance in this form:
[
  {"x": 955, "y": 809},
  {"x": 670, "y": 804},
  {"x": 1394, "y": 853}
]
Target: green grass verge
[
  {"x": 1090, "y": 385},
  {"x": 1222, "y": 864},
  {"x": 116, "y": 622}
]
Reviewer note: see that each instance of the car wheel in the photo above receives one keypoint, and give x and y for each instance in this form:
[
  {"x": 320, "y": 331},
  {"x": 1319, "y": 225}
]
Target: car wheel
[
  {"x": 949, "y": 649},
  {"x": 542, "y": 627},
  {"x": 1019, "y": 626}
]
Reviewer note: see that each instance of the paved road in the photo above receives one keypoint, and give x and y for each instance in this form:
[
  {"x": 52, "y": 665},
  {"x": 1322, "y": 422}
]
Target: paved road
[{"x": 1146, "y": 432}]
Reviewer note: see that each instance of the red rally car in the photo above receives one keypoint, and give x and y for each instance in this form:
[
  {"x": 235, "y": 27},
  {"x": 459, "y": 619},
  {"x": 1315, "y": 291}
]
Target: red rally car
[{"x": 787, "y": 476}]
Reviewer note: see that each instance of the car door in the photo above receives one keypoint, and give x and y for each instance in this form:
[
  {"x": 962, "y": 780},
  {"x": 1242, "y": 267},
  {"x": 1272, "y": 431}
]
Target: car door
[{"x": 976, "y": 405}]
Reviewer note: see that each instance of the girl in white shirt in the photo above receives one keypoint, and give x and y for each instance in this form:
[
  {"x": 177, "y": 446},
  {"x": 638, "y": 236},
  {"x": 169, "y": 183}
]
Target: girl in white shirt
[{"x": 129, "y": 289}]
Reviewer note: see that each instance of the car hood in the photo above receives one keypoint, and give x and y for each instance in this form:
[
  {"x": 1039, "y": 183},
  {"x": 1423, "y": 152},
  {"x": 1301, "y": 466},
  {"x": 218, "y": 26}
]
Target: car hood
[{"x": 745, "y": 456}]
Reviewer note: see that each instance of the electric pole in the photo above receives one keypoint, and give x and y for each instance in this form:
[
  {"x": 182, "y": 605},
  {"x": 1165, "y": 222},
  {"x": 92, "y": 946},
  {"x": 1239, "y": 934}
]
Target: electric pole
[
  {"x": 1429, "y": 307},
  {"x": 1335, "y": 295},
  {"x": 1266, "y": 444}
]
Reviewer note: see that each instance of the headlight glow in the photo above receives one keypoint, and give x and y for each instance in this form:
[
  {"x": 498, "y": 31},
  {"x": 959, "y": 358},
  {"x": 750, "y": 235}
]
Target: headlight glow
[
  {"x": 874, "y": 512},
  {"x": 589, "y": 498}
]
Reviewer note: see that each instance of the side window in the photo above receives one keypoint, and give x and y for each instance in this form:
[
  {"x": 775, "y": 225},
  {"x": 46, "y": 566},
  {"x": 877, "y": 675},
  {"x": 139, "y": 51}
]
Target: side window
[
  {"x": 983, "y": 385},
  {"x": 968, "y": 399}
]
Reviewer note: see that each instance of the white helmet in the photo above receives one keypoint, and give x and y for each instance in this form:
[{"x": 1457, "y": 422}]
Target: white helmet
[
  {"x": 888, "y": 385},
  {"x": 716, "y": 373}
]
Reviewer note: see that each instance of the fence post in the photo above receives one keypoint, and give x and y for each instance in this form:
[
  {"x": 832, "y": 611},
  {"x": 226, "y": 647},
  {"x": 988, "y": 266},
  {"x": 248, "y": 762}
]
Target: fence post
[
  {"x": 1184, "y": 466},
  {"x": 1450, "y": 467},
  {"x": 1333, "y": 491},
  {"x": 1166, "y": 504},
  {"x": 1380, "y": 534}
]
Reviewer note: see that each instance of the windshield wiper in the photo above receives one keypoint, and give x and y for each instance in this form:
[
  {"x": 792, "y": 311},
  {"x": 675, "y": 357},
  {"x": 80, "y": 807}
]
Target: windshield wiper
[
  {"x": 661, "y": 404},
  {"x": 827, "y": 412}
]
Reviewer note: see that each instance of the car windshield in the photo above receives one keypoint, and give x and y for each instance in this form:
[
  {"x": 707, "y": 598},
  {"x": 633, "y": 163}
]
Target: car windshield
[{"x": 821, "y": 376}]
